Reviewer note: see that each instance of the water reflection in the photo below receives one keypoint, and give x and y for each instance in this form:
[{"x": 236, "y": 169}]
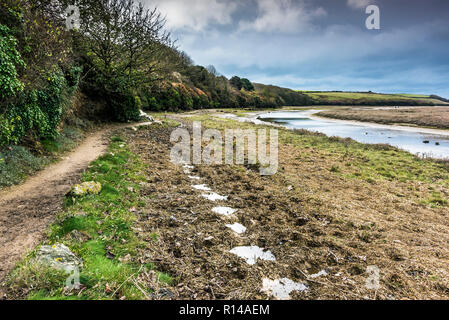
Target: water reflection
[{"x": 422, "y": 144}]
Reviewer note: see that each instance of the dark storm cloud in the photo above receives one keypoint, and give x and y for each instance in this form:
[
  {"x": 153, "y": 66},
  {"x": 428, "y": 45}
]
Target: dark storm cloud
[{"x": 323, "y": 45}]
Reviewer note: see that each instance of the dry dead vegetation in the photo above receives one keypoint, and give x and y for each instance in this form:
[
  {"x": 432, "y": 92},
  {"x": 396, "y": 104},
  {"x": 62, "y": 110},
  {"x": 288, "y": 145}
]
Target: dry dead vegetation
[
  {"x": 310, "y": 217},
  {"x": 435, "y": 117},
  {"x": 334, "y": 206}
]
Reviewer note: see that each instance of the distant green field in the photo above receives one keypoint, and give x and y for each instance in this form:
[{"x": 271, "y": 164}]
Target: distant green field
[{"x": 367, "y": 98}]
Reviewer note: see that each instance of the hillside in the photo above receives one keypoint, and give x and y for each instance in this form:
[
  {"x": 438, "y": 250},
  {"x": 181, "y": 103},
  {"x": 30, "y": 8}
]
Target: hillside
[
  {"x": 373, "y": 99},
  {"x": 93, "y": 74}
]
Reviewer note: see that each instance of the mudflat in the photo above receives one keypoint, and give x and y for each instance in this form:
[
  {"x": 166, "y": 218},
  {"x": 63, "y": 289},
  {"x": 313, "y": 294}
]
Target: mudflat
[{"x": 431, "y": 117}]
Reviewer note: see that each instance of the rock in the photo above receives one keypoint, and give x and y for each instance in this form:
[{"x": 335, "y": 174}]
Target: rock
[
  {"x": 85, "y": 188},
  {"x": 59, "y": 257}
]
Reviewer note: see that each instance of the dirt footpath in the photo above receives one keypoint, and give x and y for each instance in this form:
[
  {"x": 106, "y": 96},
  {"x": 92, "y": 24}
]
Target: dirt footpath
[{"x": 26, "y": 210}]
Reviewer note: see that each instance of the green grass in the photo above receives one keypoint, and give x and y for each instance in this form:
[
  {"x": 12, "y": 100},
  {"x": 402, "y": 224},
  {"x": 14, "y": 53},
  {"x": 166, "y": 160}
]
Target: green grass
[
  {"x": 106, "y": 221},
  {"x": 351, "y": 98},
  {"x": 436, "y": 200},
  {"x": 66, "y": 141},
  {"x": 351, "y": 159},
  {"x": 18, "y": 162}
]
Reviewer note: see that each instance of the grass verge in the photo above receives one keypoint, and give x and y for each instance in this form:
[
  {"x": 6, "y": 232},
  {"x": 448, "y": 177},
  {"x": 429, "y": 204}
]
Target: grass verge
[
  {"x": 101, "y": 230},
  {"x": 19, "y": 162},
  {"x": 371, "y": 98}
]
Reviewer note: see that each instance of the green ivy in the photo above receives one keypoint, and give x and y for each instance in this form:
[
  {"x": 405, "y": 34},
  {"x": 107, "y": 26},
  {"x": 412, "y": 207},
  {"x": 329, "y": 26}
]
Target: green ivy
[
  {"x": 36, "y": 112},
  {"x": 7, "y": 131},
  {"x": 10, "y": 60}
]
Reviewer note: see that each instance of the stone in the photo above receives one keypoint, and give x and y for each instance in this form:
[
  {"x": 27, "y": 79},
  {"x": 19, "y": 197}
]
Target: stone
[
  {"x": 59, "y": 257},
  {"x": 86, "y": 188}
]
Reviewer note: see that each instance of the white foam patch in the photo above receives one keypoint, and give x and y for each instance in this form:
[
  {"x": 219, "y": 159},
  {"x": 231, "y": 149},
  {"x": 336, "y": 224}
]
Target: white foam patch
[
  {"x": 214, "y": 196},
  {"x": 145, "y": 115},
  {"x": 319, "y": 274},
  {"x": 188, "y": 168},
  {"x": 281, "y": 288},
  {"x": 251, "y": 254},
  {"x": 224, "y": 211},
  {"x": 237, "y": 228},
  {"x": 201, "y": 187}
]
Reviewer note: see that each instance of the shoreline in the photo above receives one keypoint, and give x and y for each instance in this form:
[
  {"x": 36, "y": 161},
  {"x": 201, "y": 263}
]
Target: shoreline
[
  {"x": 358, "y": 123},
  {"x": 441, "y": 132}
]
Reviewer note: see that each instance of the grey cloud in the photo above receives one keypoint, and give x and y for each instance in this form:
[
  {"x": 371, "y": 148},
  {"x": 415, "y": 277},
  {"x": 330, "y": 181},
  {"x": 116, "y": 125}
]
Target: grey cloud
[
  {"x": 292, "y": 43},
  {"x": 359, "y": 4},
  {"x": 282, "y": 16},
  {"x": 196, "y": 15}
]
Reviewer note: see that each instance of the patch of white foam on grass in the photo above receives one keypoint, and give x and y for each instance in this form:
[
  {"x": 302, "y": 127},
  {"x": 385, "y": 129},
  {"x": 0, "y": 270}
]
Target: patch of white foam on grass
[
  {"x": 214, "y": 196},
  {"x": 224, "y": 211},
  {"x": 201, "y": 187},
  {"x": 281, "y": 288},
  {"x": 319, "y": 274},
  {"x": 188, "y": 168},
  {"x": 237, "y": 228},
  {"x": 251, "y": 254}
]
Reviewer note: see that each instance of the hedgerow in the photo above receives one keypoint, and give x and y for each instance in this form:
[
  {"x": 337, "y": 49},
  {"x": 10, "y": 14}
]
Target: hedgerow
[{"x": 10, "y": 61}]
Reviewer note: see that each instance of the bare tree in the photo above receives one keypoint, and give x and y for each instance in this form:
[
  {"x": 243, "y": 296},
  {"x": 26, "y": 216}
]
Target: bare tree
[
  {"x": 124, "y": 39},
  {"x": 212, "y": 70}
]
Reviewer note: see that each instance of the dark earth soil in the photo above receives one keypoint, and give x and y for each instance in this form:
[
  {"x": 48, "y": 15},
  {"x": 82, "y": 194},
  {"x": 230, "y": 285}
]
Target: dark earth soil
[
  {"x": 282, "y": 214},
  {"x": 27, "y": 210}
]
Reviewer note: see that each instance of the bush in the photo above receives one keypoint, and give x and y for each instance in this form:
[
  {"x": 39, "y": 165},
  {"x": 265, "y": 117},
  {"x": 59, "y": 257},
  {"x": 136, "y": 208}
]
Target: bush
[
  {"x": 10, "y": 60},
  {"x": 37, "y": 112},
  {"x": 125, "y": 106},
  {"x": 72, "y": 77},
  {"x": 6, "y": 131}
]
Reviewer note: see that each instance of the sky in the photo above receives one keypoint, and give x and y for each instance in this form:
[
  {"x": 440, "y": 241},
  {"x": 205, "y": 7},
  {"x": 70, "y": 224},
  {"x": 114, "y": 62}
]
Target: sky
[{"x": 318, "y": 44}]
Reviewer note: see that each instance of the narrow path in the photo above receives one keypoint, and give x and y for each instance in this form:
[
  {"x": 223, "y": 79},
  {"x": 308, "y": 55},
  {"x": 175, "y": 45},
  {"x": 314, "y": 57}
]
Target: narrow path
[{"x": 27, "y": 209}]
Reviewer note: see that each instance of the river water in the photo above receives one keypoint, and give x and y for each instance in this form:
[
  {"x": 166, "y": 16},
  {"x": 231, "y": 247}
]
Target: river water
[{"x": 422, "y": 142}]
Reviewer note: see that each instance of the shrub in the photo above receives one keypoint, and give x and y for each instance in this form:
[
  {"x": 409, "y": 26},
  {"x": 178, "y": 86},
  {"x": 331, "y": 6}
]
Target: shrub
[
  {"x": 10, "y": 60},
  {"x": 37, "y": 112},
  {"x": 125, "y": 106},
  {"x": 6, "y": 131},
  {"x": 72, "y": 77}
]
